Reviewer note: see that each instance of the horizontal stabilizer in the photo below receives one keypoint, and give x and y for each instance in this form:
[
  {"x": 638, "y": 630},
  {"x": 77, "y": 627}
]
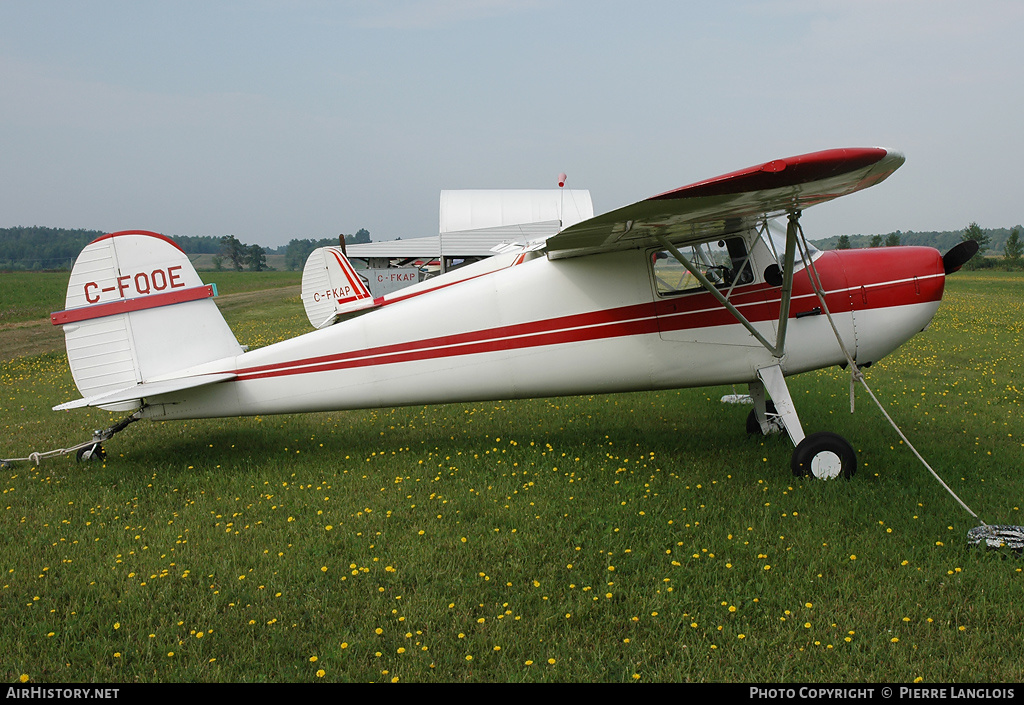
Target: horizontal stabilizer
[{"x": 138, "y": 392}]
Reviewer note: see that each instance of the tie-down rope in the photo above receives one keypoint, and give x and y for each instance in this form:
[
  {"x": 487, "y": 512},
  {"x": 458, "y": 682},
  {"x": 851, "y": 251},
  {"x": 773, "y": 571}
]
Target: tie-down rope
[{"x": 855, "y": 372}]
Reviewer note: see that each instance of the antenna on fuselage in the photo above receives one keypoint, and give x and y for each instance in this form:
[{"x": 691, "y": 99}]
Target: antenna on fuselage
[{"x": 561, "y": 198}]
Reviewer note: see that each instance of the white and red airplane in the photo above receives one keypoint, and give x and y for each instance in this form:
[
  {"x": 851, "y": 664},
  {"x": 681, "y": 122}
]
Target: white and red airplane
[{"x": 688, "y": 288}]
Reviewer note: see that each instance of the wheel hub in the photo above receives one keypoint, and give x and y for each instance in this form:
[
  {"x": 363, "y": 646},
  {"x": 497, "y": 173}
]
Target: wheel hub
[{"x": 826, "y": 465}]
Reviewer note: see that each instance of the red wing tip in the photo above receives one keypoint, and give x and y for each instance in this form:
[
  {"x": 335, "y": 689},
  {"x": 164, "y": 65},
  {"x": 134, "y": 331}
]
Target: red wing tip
[{"x": 800, "y": 169}]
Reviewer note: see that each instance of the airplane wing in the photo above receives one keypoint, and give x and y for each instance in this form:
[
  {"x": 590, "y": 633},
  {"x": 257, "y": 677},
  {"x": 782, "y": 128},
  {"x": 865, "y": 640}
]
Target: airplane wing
[{"x": 730, "y": 203}]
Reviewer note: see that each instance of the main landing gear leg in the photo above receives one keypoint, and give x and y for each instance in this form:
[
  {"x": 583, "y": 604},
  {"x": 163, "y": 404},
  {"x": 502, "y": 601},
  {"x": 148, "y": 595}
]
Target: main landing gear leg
[{"x": 822, "y": 455}]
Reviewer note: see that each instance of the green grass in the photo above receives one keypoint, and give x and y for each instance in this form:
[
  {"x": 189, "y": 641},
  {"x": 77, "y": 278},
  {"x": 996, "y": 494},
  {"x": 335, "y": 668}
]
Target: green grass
[
  {"x": 33, "y": 296},
  {"x": 30, "y": 296},
  {"x": 608, "y": 538},
  {"x": 238, "y": 282}
]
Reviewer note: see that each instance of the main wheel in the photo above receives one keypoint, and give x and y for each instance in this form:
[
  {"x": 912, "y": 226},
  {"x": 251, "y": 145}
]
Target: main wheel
[
  {"x": 825, "y": 456},
  {"x": 753, "y": 427}
]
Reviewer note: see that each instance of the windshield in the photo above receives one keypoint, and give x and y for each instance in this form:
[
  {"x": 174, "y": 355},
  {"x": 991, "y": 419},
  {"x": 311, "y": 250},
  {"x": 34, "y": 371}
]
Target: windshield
[{"x": 774, "y": 236}]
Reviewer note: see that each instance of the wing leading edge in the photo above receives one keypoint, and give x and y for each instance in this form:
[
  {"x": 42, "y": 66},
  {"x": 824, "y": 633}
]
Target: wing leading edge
[{"x": 729, "y": 203}]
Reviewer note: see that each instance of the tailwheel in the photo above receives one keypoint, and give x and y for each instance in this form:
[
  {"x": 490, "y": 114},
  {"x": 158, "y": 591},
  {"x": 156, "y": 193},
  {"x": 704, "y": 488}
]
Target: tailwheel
[
  {"x": 825, "y": 456},
  {"x": 94, "y": 453}
]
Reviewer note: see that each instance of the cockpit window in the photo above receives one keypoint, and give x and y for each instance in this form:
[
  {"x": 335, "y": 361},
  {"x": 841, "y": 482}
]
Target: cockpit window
[{"x": 725, "y": 263}]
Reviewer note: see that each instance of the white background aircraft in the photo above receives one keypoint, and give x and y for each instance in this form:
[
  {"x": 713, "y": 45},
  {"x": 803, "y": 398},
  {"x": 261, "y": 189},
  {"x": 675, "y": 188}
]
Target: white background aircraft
[{"x": 688, "y": 288}]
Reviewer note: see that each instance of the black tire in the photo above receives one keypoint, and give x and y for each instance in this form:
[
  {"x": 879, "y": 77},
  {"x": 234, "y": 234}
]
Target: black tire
[
  {"x": 98, "y": 454},
  {"x": 753, "y": 427},
  {"x": 825, "y": 456}
]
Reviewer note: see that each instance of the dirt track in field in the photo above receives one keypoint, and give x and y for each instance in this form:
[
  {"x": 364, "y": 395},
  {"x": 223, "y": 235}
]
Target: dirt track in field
[{"x": 40, "y": 337}]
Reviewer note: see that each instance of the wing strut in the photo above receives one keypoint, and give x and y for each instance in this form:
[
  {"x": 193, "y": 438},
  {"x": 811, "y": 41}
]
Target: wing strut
[{"x": 779, "y": 348}]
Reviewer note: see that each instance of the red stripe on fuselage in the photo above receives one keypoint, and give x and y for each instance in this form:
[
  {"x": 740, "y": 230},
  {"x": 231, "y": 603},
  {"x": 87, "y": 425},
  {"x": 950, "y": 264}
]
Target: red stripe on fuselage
[
  {"x": 487, "y": 338},
  {"x": 698, "y": 310},
  {"x": 495, "y": 344}
]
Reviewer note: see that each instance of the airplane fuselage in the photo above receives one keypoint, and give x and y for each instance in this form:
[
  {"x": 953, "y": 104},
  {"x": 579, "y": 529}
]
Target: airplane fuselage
[{"x": 537, "y": 327}]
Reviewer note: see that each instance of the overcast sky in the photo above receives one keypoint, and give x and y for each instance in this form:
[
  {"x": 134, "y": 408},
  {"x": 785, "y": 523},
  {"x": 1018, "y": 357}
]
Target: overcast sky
[{"x": 272, "y": 120}]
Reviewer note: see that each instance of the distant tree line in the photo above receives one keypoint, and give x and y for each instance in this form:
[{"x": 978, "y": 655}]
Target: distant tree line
[
  {"x": 42, "y": 248},
  {"x": 1009, "y": 243},
  {"x": 296, "y": 252},
  {"x": 39, "y": 248},
  {"x": 940, "y": 240}
]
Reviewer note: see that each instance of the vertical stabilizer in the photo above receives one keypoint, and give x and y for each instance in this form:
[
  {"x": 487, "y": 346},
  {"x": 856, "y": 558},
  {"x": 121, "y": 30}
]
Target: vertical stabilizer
[
  {"x": 331, "y": 288},
  {"x": 137, "y": 311}
]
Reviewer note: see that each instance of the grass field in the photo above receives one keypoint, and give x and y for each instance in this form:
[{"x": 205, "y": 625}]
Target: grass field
[{"x": 636, "y": 537}]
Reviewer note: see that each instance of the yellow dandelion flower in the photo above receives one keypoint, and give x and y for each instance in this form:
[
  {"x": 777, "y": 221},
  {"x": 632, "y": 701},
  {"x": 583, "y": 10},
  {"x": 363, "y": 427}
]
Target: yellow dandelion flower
[{"x": 321, "y": 673}]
